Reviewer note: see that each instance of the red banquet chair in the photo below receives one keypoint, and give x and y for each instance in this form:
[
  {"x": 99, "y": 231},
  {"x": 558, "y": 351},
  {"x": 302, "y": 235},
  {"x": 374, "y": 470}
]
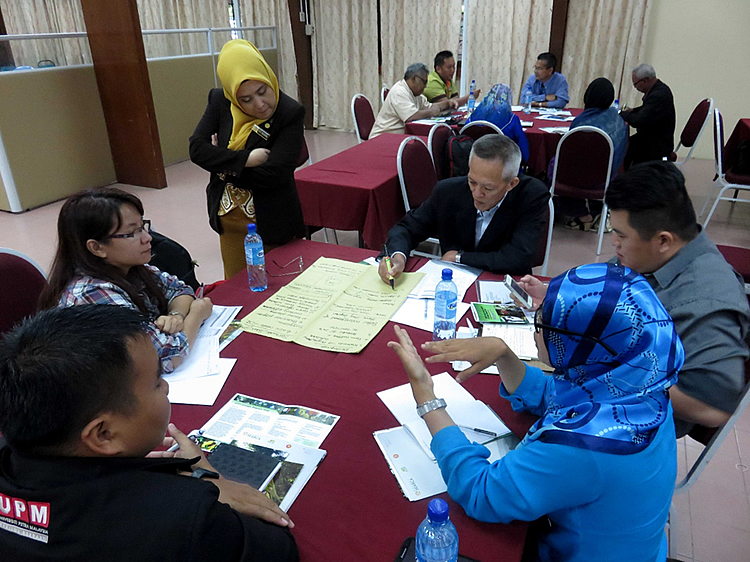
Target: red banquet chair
[
  {"x": 436, "y": 141},
  {"x": 22, "y": 281},
  {"x": 363, "y": 116},
  {"x": 384, "y": 94},
  {"x": 583, "y": 164},
  {"x": 477, "y": 129},
  {"x": 417, "y": 176},
  {"x": 693, "y": 130}
]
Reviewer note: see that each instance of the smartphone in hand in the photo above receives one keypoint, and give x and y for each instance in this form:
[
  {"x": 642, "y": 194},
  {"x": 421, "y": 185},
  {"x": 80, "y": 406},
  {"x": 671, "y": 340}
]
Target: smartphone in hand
[{"x": 517, "y": 291}]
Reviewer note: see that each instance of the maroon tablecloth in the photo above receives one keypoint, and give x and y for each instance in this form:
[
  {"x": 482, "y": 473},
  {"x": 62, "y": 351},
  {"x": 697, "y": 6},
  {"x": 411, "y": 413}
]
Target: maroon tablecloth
[
  {"x": 352, "y": 508},
  {"x": 542, "y": 145},
  {"x": 357, "y": 189}
]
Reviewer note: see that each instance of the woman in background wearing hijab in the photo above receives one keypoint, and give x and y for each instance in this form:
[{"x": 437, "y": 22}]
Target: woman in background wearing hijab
[
  {"x": 599, "y": 112},
  {"x": 249, "y": 138},
  {"x": 496, "y": 108},
  {"x": 601, "y": 461}
]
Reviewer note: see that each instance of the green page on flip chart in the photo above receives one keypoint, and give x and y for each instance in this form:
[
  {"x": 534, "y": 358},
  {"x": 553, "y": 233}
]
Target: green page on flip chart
[{"x": 333, "y": 305}]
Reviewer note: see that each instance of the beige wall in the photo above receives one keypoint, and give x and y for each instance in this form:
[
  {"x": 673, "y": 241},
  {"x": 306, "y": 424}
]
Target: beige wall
[{"x": 700, "y": 48}]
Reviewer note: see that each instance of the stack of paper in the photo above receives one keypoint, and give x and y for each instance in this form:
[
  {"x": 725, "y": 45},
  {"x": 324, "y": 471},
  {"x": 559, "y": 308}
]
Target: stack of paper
[
  {"x": 247, "y": 422},
  {"x": 201, "y": 376},
  {"x": 407, "y": 448}
]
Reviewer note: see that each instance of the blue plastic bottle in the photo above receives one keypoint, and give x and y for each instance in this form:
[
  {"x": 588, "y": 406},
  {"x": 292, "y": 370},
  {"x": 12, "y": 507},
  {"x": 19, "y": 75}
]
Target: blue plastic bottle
[
  {"x": 446, "y": 299},
  {"x": 437, "y": 538},
  {"x": 256, "y": 260},
  {"x": 527, "y": 103},
  {"x": 472, "y": 100}
]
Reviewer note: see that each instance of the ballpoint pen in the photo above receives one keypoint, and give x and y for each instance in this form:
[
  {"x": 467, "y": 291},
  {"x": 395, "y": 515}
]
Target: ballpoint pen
[
  {"x": 388, "y": 265},
  {"x": 199, "y": 293}
]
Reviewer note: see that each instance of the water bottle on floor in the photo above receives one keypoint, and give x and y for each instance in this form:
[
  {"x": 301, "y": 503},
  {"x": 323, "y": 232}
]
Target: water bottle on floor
[
  {"x": 472, "y": 100},
  {"x": 437, "y": 539},
  {"x": 256, "y": 260},
  {"x": 446, "y": 300}
]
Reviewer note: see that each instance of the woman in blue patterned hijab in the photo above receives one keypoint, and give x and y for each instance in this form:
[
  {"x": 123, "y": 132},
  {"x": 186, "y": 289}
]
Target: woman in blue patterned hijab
[
  {"x": 496, "y": 107},
  {"x": 615, "y": 353}
]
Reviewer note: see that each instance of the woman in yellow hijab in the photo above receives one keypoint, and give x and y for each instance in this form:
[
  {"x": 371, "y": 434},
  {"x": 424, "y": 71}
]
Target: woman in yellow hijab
[{"x": 249, "y": 138}]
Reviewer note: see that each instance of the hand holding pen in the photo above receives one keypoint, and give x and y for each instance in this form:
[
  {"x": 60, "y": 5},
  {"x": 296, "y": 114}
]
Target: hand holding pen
[{"x": 391, "y": 267}]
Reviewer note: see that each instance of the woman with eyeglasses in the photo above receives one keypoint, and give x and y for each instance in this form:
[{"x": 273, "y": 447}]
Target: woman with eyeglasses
[
  {"x": 600, "y": 463},
  {"x": 102, "y": 257}
]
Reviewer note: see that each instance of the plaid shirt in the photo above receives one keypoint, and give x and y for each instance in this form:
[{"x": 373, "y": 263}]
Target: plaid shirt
[{"x": 90, "y": 290}]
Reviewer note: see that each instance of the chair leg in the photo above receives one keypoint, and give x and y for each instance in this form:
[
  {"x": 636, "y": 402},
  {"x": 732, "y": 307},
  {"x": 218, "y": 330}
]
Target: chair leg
[
  {"x": 713, "y": 190},
  {"x": 602, "y": 224},
  {"x": 335, "y": 236},
  {"x": 713, "y": 207},
  {"x": 325, "y": 234}
]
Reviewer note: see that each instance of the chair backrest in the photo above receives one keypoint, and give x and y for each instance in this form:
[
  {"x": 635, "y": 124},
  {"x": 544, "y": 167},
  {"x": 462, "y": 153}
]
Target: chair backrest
[
  {"x": 363, "y": 116},
  {"x": 542, "y": 253},
  {"x": 738, "y": 258},
  {"x": 583, "y": 163},
  {"x": 384, "y": 94},
  {"x": 416, "y": 172},
  {"x": 715, "y": 441},
  {"x": 477, "y": 129},
  {"x": 304, "y": 154},
  {"x": 22, "y": 281},
  {"x": 693, "y": 129},
  {"x": 718, "y": 143},
  {"x": 436, "y": 141}
]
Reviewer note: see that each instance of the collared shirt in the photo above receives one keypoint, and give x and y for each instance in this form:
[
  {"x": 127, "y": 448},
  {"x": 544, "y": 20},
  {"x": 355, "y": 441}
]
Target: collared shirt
[
  {"x": 484, "y": 218},
  {"x": 557, "y": 85},
  {"x": 89, "y": 290},
  {"x": 707, "y": 302},
  {"x": 400, "y": 104},
  {"x": 437, "y": 87}
]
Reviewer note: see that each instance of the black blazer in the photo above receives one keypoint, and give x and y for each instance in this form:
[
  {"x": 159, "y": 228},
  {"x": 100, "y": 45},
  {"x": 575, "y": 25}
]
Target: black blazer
[
  {"x": 277, "y": 206},
  {"x": 508, "y": 245},
  {"x": 655, "y": 121}
]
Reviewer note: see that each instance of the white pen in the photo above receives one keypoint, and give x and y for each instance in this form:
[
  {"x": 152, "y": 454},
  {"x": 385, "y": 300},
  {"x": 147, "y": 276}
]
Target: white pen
[
  {"x": 474, "y": 331},
  {"x": 193, "y": 435}
]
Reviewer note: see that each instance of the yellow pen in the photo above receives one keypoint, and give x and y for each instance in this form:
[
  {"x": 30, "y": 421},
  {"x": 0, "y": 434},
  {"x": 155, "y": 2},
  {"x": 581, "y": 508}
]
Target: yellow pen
[{"x": 391, "y": 280}]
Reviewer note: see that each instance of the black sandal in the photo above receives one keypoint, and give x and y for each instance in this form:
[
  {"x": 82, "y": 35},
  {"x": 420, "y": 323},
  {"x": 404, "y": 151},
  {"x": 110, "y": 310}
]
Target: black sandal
[{"x": 577, "y": 224}]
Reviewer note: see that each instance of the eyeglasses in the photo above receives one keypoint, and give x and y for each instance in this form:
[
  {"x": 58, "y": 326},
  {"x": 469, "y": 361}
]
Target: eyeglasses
[
  {"x": 422, "y": 79},
  {"x": 638, "y": 82},
  {"x": 297, "y": 260},
  {"x": 538, "y": 326},
  {"x": 145, "y": 227}
]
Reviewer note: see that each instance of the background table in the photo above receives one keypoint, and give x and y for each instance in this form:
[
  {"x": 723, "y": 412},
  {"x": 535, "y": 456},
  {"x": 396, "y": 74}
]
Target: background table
[
  {"x": 357, "y": 189},
  {"x": 352, "y": 508},
  {"x": 542, "y": 145}
]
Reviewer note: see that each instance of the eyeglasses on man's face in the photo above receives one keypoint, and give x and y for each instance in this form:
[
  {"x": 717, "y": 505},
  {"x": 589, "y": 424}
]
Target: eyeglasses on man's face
[
  {"x": 635, "y": 84},
  {"x": 145, "y": 227},
  {"x": 539, "y": 326},
  {"x": 424, "y": 80}
]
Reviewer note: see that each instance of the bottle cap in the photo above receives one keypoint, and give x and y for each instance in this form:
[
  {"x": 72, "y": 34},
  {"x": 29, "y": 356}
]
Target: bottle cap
[
  {"x": 438, "y": 510},
  {"x": 447, "y": 274},
  {"x": 251, "y": 228}
]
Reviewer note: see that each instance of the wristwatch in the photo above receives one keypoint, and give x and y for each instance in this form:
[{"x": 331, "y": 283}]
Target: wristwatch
[
  {"x": 204, "y": 473},
  {"x": 458, "y": 257},
  {"x": 177, "y": 313},
  {"x": 430, "y": 405}
]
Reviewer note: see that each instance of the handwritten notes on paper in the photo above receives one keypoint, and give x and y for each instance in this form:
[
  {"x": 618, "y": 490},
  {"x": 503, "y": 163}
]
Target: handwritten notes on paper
[{"x": 333, "y": 305}]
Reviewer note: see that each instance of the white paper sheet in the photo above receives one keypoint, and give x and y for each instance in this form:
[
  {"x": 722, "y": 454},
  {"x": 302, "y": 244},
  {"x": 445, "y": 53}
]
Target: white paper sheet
[
  {"x": 463, "y": 277},
  {"x": 203, "y": 360},
  {"x": 220, "y": 318},
  {"x": 420, "y": 313},
  {"x": 202, "y": 391},
  {"x": 557, "y": 130}
]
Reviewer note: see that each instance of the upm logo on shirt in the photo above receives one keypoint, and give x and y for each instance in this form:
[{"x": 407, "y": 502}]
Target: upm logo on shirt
[{"x": 25, "y": 518}]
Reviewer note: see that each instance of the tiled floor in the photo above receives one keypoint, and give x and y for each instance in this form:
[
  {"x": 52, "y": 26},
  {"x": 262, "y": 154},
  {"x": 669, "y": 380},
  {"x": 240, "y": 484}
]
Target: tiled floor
[{"x": 712, "y": 520}]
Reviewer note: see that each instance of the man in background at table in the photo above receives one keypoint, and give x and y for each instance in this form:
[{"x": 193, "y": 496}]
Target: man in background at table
[
  {"x": 440, "y": 83},
  {"x": 493, "y": 219},
  {"x": 656, "y": 234},
  {"x": 654, "y": 120},
  {"x": 546, "y": 87},
  {"x": 82, "y": 403},
  {"x": 405, "y": 103}
]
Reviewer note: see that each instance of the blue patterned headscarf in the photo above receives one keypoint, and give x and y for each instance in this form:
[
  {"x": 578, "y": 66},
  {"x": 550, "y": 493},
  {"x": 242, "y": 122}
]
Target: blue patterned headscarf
[
  {"x": 495, "y": 107},
  {"x": 599, "y": 401}
]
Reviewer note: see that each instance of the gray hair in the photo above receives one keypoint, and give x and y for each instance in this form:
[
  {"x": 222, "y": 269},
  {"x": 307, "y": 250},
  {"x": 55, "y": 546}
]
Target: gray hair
[
  {"x": 500, "y": 148},
  {"x": 644, "y": 71},
  {"x": 414, "y": 69}
]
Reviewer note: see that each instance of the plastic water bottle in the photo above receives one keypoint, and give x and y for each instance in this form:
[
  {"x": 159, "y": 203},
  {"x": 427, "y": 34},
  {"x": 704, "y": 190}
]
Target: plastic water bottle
[
  {"x": 617, "y": 105},
  {"x": 527, "y": 103},
  {"x": 446, "y": 299},
  {"x": 256, "y": 260},
  {"x": 437, "y": 539},
  {"x": 472, "y": 101}
]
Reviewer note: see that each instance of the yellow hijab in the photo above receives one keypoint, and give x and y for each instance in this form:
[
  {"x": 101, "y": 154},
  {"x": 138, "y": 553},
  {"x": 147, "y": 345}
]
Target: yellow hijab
[{"x": 240, "y": 60}]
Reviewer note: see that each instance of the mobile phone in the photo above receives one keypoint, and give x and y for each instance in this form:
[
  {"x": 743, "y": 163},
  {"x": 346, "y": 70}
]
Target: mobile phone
[
  {"x": 408, "y": 553},
  {"x": 517, "y": 291}
]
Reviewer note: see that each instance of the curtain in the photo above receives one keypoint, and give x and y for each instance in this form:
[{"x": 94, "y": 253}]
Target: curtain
[
  {"x": 46, "y": 16},
  {"x": 408, "y": 36},
  {"x": 276, "y": 13},
  {"x": 345, "y": 59},
  {"x": 605, "y": 39},
  {"x": 503, "y": 40},
  {"x": 180, "y": 14}
]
